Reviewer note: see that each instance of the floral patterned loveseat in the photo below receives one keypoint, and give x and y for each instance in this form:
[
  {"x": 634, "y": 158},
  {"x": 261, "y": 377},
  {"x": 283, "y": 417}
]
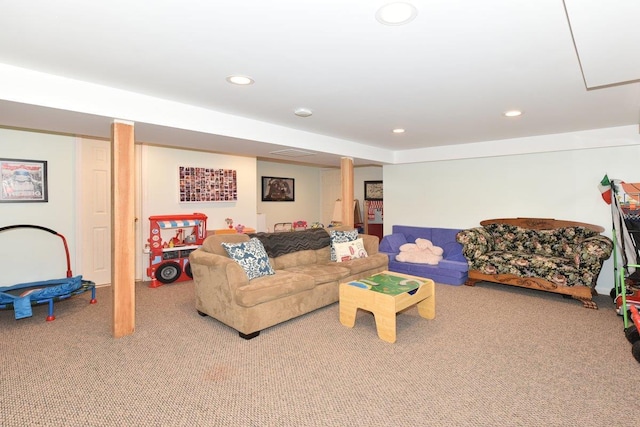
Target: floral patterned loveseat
[{"x": 558, "y": 256}]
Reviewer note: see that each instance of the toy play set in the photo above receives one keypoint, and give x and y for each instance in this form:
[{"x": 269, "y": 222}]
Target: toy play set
[{"x": 171, "y": 239}]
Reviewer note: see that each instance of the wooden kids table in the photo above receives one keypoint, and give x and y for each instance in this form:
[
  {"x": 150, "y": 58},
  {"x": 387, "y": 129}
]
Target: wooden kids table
[{"x": 385, "y": 294}]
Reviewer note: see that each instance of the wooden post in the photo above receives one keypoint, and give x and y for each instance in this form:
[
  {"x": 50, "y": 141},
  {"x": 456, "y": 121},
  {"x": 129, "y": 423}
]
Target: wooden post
[
  {"x": 346, "y": 170},
  {"x": 123, "y": 228}
]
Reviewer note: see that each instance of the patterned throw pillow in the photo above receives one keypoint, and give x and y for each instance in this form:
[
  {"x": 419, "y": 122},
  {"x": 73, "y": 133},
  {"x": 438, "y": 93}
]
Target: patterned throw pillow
[
  {"x": 347, "y": 251},
  {"x": 251, "y": 256},
  {"x": 341, "y": 237}
]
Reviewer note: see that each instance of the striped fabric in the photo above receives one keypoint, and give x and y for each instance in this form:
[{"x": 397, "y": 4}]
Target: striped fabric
[
  {"x": 180, "y": 223},
  {"x": 277, "y": 244}
]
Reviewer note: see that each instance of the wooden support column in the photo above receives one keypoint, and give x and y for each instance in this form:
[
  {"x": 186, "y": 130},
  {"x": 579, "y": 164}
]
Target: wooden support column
[
  {"x": 123, "y": 228},
  {"x": 346, "y": 171}
]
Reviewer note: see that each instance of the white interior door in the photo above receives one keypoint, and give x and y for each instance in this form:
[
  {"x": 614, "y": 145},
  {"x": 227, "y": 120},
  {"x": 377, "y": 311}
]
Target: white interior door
[{"x": 95, "y": 191}]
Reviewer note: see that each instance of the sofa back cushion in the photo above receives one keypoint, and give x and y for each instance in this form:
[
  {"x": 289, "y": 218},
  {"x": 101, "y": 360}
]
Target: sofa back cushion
[
  {"x": 213, "y": 244},
  {"x": 561, "y": 242},
  {"x": 294, "y": 259},
  {"x": 509, "y": 238},
  {"x": 444, "y": 238},
  {"x": 558, "y": 242},
  {"x": 392, "y": 242}
]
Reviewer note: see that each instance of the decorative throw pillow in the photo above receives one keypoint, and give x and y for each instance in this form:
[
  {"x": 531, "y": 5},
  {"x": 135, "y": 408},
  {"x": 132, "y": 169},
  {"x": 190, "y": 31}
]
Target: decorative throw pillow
[
  {"x": 341, "y": 237},
  {"x": 350, "y": 250},
  {"x": 251, "y": 256}
]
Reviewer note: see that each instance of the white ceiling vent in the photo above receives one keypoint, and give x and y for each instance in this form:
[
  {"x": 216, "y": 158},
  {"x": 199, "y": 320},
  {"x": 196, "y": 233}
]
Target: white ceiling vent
[{"x": 292, "y": 152}]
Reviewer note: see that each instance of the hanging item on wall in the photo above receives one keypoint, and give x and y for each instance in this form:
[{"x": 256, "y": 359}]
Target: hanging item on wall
[
  {"x": 207, "y": 185},
  {"x": 276, "y": 189},
  {"x": 373, "y": 190},
  {"x": 23, "y": 180},
  {"x": 373, "y": 206}
]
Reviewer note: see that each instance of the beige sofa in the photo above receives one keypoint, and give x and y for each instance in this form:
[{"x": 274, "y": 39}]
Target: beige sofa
[{"x": 305, "y": 278}]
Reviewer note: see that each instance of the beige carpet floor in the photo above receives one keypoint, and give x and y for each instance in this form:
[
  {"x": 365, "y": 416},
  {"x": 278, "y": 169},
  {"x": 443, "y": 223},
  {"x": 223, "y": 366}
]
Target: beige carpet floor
[{"x": 494, "y": 356}]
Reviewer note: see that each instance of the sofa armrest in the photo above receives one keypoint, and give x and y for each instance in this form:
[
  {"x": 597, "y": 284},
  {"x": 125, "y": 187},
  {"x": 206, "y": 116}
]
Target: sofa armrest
[
  {"x": 217, "y": 271},
  {"x": 593, "y": 251},
  {"x": 475, "y": 242},
  {"x": 391, "y": 243}
]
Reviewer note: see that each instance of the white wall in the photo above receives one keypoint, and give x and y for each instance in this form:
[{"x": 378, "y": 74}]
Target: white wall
[
  {"x": 160, "y": 193},
  {"x": 28, "y": 255},
  {"x": 461, "y": 193},
  {"x": 307, "y": 204}
]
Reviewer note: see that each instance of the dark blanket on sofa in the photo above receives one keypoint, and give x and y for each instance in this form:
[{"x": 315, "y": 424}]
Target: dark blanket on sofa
[{"x": 277, "y": 244}]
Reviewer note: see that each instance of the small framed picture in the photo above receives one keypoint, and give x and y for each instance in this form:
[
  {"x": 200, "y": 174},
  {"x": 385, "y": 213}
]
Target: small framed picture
[
  {"x": 23, "y": 181},
  {"x": 275, "y": 189},
  {"x": 373, "y": 190}
]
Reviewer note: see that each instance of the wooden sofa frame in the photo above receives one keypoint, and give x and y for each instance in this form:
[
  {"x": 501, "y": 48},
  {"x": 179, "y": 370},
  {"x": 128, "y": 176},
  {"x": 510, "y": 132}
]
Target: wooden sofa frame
[{"x": 583, "y": 294}]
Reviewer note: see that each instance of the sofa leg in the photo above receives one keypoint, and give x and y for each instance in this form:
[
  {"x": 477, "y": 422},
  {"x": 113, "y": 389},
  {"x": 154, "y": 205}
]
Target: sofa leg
[
  {"x": 471, "y": 282},
  {"x": 587, "y": 303},
  {"x": 249, "y": 336}
]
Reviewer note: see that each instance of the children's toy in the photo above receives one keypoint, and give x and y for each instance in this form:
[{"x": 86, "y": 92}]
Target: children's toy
[
  {"x": 23, "y": 296},
  {"x": 625, "y": 212},
  {"x": 169, "y": 256},
  {"x": 422, "y": 251},
  {"x": 632, "y": 333}
]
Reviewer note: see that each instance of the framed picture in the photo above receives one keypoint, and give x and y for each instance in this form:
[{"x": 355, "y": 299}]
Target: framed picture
[
  {"x": 23, "y": 181},
  {"x": 199, "y": 185},
  {"x": 373, "y": 190},
  {"x": 276, "y": 189}
]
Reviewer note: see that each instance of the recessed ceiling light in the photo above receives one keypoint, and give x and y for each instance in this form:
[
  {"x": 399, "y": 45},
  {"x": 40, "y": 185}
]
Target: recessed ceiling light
[
  {"x": 240, "y": 80},
  {"x": 302, "y": 112},
  {"x": 512, "y": 113},
  {"x": 398, "y": 130},
  {"x": 399, "y": 13}
]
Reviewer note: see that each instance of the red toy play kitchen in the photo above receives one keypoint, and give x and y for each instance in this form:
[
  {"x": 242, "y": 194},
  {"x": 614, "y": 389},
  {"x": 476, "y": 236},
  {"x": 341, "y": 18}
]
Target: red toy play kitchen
[{"x": 171, "y": 239}]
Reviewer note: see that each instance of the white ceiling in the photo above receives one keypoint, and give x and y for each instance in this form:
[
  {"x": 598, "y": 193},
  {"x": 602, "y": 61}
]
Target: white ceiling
[{"x": 73, "y": 66}]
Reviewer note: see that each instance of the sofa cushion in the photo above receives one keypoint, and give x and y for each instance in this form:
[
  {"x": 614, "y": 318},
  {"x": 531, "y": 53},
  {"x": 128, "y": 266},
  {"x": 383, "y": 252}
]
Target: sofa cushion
[
  {"x": 341, "y": 236},
  {"x": 346, "y": 251},
  {"x": 251, "y": 256},
  {"x": 322, "y": 273},
  {"x": 268, "y": 288},
  {"x": 360, "y": 265}
]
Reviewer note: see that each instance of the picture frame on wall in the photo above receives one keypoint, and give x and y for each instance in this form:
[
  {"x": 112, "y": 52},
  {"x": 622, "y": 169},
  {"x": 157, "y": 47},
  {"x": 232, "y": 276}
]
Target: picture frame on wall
[
  {"x": 23, "y": 181},
  {"x": 198, "y": 185},
  {"x": 373, "y": 190},
  {"x": 277, "y": 189}
]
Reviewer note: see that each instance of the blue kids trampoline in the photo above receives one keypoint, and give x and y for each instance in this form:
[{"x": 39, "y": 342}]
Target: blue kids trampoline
[{"x": 23, "y": 296}]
